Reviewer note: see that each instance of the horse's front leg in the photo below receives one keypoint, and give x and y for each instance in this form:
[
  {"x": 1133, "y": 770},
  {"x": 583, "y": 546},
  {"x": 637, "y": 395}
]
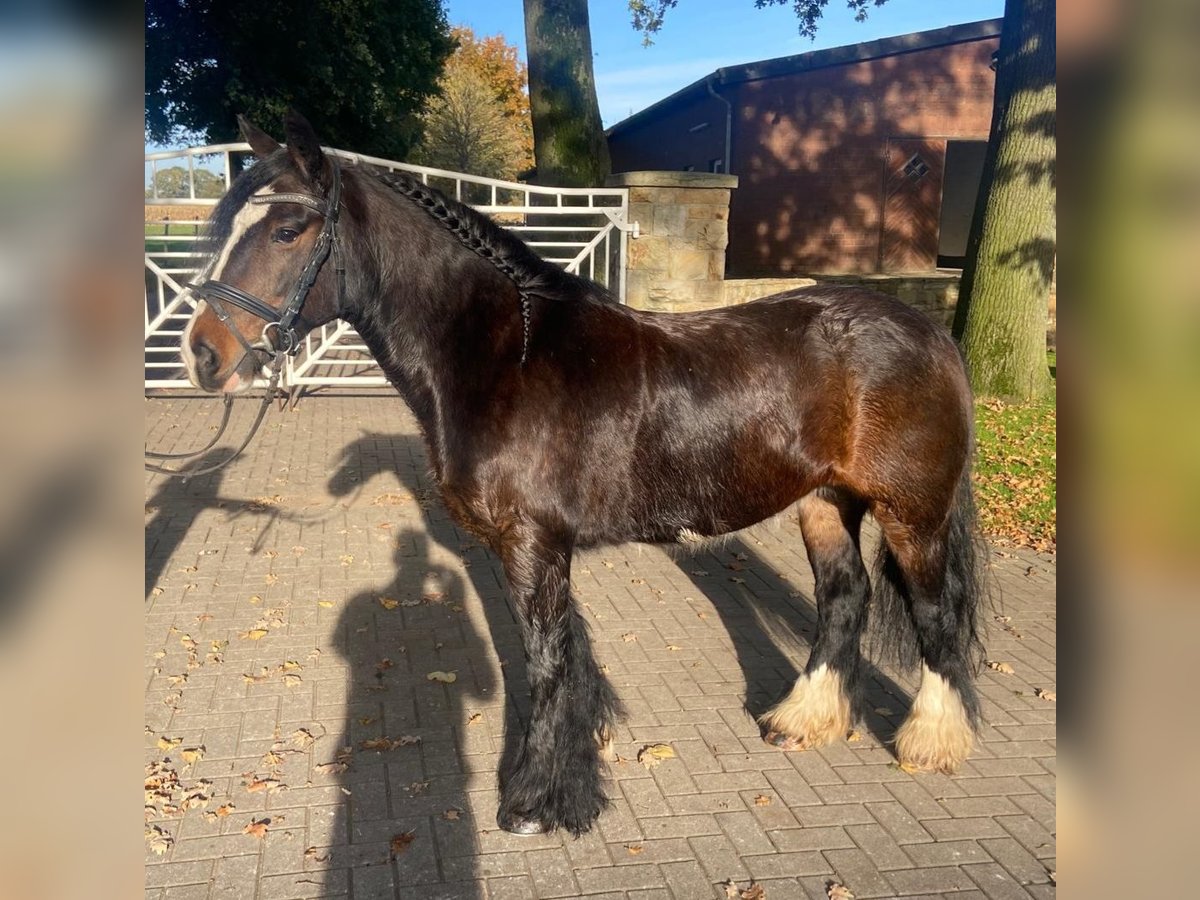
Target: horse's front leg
[{"x": 554, "y": 780}]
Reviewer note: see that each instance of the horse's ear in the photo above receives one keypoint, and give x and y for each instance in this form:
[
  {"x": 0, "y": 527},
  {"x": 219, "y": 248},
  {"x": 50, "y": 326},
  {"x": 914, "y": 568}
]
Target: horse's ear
[
  {"x": 305, "y": 149},
  {"x": 260, "y": 142}
]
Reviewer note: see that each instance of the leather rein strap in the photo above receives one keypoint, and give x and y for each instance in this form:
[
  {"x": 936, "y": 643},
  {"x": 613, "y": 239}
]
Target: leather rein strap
[{"x": 280, "y": 322}]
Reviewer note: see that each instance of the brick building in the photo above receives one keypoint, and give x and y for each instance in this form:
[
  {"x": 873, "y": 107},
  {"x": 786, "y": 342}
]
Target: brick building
[{"x": 855, "y": 159}]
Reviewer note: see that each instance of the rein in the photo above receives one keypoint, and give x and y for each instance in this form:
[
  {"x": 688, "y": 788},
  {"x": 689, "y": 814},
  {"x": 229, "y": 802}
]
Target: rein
[{"x": 282, "y": 323}]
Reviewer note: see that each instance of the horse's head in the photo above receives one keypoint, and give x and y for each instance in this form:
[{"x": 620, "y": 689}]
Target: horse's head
[{"x": 274, "y": 248}]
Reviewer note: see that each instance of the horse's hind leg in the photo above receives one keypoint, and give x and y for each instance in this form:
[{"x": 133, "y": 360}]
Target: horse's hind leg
[
  {"x": 932, "y": 571},
  {"x": 818, "y": 709},
  {"x": 554, "y": 781}
]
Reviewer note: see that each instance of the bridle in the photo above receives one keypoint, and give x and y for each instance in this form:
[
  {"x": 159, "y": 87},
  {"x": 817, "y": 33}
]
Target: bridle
[{"x": 280, "y": 337}]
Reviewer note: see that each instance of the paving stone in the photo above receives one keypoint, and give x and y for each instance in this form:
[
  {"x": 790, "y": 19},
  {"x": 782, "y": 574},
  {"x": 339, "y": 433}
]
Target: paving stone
[{"x": 334, "y": 503}]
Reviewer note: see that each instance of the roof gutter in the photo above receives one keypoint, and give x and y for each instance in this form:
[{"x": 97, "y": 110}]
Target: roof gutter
[{"x": 708, "y": 83}]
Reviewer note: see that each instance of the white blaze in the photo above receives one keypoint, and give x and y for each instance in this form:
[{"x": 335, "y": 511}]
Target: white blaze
[{"x": 245, "y": 219}]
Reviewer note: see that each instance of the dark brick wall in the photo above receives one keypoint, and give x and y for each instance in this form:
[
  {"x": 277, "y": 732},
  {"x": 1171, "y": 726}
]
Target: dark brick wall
[{"x": 810, "y": 150}]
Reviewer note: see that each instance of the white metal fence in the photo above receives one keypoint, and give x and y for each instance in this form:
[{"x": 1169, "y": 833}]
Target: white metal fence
[{"x": 584, "y": 230}]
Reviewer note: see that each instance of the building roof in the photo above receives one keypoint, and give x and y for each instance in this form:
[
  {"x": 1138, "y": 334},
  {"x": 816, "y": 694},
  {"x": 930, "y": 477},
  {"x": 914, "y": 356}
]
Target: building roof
[{"x": 816, "y": 59}]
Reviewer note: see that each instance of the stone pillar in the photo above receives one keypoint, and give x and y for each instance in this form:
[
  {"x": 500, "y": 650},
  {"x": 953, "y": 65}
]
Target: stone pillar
[{"x": 678, "y": 261}]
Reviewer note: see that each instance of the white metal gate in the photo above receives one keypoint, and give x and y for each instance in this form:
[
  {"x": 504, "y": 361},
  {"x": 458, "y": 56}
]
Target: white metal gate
[{"x": 584, "y": 230}]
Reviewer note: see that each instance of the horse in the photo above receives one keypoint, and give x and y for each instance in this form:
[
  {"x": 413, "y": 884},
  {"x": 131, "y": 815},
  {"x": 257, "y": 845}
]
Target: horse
[{"x": 557, "y": 419}]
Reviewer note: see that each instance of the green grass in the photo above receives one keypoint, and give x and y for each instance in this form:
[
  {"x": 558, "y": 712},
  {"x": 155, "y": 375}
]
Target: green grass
[{"x": 1016, "y": 471}]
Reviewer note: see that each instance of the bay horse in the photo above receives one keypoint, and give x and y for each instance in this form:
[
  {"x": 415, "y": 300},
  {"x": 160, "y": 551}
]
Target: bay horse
[{"x": 557, "y": 419}]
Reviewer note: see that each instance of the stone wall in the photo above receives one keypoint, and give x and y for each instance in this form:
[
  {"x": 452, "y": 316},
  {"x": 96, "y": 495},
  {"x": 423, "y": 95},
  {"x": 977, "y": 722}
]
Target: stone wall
[{"x": 677, "y": 262}]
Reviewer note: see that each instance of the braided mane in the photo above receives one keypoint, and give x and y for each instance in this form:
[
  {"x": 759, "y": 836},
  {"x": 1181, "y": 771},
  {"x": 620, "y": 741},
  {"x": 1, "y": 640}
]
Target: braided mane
[{"x": 532, "y": 275}]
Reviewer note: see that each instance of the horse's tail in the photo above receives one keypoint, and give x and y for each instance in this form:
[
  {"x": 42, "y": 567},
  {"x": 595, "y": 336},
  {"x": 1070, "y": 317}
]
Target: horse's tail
[{"x": 963, "y": 588}]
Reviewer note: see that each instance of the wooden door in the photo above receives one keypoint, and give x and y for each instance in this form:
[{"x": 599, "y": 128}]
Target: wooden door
[{"x": 912, "y": 202}]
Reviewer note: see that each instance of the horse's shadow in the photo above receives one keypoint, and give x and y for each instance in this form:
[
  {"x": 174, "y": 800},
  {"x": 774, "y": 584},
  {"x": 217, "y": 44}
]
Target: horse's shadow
[
  {"x": 391, "y": 639},
  {"x": 771, "y": 624}
]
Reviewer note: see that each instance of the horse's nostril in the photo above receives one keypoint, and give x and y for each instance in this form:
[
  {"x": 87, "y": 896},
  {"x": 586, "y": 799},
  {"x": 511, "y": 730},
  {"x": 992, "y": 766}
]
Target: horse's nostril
[{"x": 206, "y": 357}]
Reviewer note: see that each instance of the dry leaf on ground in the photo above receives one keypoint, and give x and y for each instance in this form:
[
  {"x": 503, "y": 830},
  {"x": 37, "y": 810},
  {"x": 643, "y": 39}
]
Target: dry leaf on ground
[
  {"x": 388, "y": 603},
  {"x": 1044, "y": 694},
  {"x": 270, "y": 785},
  {"x": 257, "y": 829},
  {"x": 634, "y": 849},
  {"x": 1002, "y": 667},
  {"x": 476, "y": 718},
  {"x": 314, "y": 854},
  {"x": 254, "y": 634},
  {"x": 452, "y": 815},
  {"x": 303, "y": 738},
  {"x": 629, "y": 637},
  {"x": 165, "y": 743},
  {"x": 762, "y": 800},
  {"x": 443, "y": 677},
  {"x": 192, "y": 754},
  {"x": 400, "y": 842},
  {"x": 158, "y": 841},
  {"x": 653, "y": 754},
  {"x": 837, "y": 891}
]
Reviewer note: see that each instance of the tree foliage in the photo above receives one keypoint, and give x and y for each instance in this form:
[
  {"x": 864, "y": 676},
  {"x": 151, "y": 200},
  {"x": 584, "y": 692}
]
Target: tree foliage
[
  {"x": 360, "y": 70},
  {"x": 479, "y": 122},
  {"x": 648, "y": 15},
  {"x": 172, "y": 183}
]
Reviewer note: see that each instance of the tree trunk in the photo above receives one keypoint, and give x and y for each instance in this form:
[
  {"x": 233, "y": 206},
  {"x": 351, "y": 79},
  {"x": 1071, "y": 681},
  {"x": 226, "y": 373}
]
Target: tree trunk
[
  {"x": 569, "y": 146},
  {"x": 1003, "y": 301}
]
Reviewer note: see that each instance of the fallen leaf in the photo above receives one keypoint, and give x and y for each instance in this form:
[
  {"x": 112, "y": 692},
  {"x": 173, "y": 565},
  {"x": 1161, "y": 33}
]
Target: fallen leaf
[
  {"x": 257, "y": 829},
  {"x": 653, "y": 754},
  {"x": 837, "y": 891},
  {"x": 908, "y": 768},
  {"x": 629, "y": 637},
  {"x": 175, "y": 680},
  {"x": 262, "y": 784},
  {"x": 165, "y": 743},
  {"x": 302, "y": 738},
  {"x": 291, "y": 680},
  {"x": 762, "y": 800},
  {"x": 634, "y": 849},
  {"x": 272, "y": 760},
  {"x": 223, "y": 810},
  {"x": 452, "y": 815},
  {"x": 443, "y": 677},
  {"x": 388, "y": 603},
  {"x": 314, "y": 854},
  {"x": 755, "y": 892},
  {"x": 418, "y": 787},
  {"x": 731, "y": 889},
  {"x": 475, "y": 719},
  {"x": 271, "y": 578},
  {"x": 1002, "y": 667},
  {"x": 673, "y": 648},
  {"x": 158, "y": 841},
  {"x": 332, "y": 768},
  {"x": 325, "y": 604},
  {"x": 347, "y": 559},
  {"x": 192, "y": 754},
  {"x": 854, "y": 736},
  {"x": 1044, "y": 694},
  {"x": 401, "y": 841},
  {"x": 254, "y": 634}
]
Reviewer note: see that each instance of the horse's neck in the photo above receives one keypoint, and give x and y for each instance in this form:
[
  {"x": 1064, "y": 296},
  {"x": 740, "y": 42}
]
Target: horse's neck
[{"x": 444, "y": 349}]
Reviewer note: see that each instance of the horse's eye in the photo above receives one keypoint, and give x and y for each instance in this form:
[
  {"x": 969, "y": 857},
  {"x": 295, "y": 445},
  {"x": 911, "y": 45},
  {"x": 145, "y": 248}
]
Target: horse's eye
[{"x": 285, "y": 235}]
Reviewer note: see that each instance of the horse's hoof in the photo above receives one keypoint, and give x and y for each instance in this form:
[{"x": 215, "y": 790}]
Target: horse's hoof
[
  {"x": 515, "y": 824},
  {"x": 781, "y": 740}
]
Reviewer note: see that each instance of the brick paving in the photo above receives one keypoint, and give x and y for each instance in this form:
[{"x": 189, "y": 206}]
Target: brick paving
[{"x": 296, "y": 601}]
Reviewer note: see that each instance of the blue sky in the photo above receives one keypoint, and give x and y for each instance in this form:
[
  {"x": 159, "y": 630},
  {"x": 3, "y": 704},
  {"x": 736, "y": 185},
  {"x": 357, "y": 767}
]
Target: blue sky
[{"x": 702, "y": 35}]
